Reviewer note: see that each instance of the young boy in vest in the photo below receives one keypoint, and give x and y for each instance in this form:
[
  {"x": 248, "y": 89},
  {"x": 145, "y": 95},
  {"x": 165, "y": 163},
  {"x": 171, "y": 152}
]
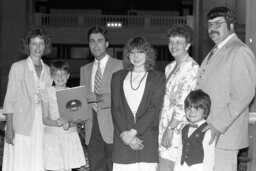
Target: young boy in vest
[{"x": 194, "y": 152}]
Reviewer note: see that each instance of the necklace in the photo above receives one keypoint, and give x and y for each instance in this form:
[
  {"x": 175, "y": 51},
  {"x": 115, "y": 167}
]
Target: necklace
[{"x": 139, "y": 82}]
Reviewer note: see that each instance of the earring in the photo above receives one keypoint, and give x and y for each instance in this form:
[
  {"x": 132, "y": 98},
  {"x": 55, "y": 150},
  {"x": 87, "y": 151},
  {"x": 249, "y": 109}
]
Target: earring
[{"x": 187, "y": 47}]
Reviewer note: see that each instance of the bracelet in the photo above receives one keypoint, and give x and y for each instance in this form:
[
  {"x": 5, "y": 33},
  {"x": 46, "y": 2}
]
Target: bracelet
[{"x": 171, "y": 128}]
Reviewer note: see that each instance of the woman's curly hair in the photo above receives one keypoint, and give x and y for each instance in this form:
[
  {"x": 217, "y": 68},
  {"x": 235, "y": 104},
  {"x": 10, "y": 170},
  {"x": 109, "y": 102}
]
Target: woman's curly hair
[
  {"x": 36, "y": 31},
  {"x": 139, "y": 44}
]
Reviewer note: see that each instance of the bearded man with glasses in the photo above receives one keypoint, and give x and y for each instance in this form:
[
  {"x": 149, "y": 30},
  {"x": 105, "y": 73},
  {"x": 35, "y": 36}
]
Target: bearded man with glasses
[{"x": 228, "y": 75}]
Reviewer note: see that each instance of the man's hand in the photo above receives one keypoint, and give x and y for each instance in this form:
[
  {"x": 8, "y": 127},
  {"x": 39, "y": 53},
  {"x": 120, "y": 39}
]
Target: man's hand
[
  {"x": 136, "y": 144},
  {"x": 77, "y": 121},
  {"x": 167, "y": 138},
  {"x": 94, "y": 98},
  {"x": 215, "y": 134},
  {"x": 66, "y": 125},
  {"x": 127, "y": 136},
  {"x": 9, "y": 136}
]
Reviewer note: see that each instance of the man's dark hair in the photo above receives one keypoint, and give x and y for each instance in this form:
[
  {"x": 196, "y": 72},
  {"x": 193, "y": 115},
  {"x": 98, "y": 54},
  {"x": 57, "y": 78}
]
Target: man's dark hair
[
  {"x": 98, "y": 29},
  {"x": 225, "y": 12}
]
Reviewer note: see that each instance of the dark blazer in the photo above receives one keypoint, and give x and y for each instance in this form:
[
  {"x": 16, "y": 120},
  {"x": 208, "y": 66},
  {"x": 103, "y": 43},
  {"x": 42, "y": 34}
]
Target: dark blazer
[
  {"x": 103, "y": 112},
  {"x": 147, "y": 118}
]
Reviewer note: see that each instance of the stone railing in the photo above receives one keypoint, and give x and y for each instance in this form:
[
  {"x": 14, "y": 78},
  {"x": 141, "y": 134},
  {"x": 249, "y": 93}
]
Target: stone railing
[{"x": 62, "y": 20}]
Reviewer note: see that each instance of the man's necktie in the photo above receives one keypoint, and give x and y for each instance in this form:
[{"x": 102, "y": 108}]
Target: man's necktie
[
  {"x": 97, "y": 84},
  {"x": 212, "y": 53}
]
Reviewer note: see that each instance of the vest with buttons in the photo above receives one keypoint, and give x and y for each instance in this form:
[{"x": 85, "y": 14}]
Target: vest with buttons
[{"x": 192, "y": 150}]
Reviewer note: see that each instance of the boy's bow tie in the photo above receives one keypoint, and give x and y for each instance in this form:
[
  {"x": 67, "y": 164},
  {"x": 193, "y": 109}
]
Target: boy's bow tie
[{"x": 193, "y": 125}]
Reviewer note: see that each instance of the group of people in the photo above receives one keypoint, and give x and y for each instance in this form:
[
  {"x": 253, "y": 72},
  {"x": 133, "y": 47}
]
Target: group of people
[{"x": 190, "y": 118}]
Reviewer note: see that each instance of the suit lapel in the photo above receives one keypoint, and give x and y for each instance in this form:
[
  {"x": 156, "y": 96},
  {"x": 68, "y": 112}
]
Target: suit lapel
[
  {"x": 126, "y": 106},
  {"x": 29, "y": 79},
  {"x": 218, "y": 54},
  {"x": 90, "y": 76},
  {"x": 144, "y": 99},
  {"x": 107, "y": 73},
  {"x": 223, "y": 48}
]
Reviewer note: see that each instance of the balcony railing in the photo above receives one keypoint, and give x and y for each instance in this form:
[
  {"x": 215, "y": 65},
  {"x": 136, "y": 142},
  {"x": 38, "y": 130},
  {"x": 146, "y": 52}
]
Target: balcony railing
[{"x": 62, "y": 20}]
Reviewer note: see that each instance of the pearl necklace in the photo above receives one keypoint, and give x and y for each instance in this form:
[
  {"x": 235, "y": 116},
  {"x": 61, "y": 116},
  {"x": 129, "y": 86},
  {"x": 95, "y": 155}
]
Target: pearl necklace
[{"x": 139, "y": 82}]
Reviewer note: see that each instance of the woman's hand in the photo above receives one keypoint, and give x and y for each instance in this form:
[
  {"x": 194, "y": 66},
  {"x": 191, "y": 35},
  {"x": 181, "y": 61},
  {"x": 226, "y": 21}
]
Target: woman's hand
[
  {"x": 136, "y": 144},
  {"x": 9, "y": 135},
  {"x": 127, "y": 136},
  {"x": 167, "y": 138}
]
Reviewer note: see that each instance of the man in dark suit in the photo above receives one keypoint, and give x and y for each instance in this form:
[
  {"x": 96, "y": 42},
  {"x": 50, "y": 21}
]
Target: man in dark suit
[{"x": 96, "y": 76}]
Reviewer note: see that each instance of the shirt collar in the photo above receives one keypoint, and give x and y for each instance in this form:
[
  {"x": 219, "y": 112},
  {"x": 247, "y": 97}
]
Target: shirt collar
[
  {"x": 221, "y": 44},
  {"x": 103, "y": 61},
  {"x": 198, "y": 123},
  {"x": 31, "y": 64}
]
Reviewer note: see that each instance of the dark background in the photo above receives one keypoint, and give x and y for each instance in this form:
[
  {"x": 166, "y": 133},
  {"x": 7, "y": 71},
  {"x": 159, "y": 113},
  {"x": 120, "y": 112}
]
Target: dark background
[{"x": 118, "y": 7}]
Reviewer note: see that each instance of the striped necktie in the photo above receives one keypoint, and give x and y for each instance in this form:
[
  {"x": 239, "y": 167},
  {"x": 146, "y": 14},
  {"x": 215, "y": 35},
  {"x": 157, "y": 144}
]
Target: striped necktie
[
  {"x": 212, "y": 53},
  {"x": 97, "y": 84}
]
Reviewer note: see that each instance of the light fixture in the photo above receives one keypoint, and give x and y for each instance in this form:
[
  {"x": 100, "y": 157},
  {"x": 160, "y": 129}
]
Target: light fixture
[{"x": 114, "y": 24}]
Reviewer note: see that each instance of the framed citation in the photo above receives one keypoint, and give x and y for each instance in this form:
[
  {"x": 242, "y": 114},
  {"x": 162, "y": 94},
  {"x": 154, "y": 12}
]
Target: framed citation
[{"x": 72, "y": 103}]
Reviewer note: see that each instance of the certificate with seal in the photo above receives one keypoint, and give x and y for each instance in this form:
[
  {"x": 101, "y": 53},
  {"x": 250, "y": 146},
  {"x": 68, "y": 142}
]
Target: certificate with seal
[{"x": 72, "y": 103}]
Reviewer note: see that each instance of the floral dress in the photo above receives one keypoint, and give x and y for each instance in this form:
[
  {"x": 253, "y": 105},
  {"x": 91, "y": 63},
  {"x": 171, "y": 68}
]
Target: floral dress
[{"x": 178, "y": 85}]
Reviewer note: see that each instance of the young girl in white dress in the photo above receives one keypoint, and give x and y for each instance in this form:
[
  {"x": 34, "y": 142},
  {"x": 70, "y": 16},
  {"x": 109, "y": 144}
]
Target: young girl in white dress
[{"x": 62, "y": 147}]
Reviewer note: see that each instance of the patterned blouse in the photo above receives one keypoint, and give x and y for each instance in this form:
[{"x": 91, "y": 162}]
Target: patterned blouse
[{"x": 178, "y": 85}]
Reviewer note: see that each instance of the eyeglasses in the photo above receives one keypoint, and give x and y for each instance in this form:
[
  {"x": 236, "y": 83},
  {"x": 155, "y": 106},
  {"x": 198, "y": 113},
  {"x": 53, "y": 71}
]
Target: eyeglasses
[
  {"x": 177, "y": 43},
  {"x": 136, "y": 52},
  {"x": 216, "y": 24}
]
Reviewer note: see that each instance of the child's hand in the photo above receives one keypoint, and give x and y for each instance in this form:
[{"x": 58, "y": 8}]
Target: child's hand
[
  {"x": 60, "y": 122},
  {"x": 94, "y": 98},
  {"x": 136, "y": 144},
  {"x": 66, "y": 125}
]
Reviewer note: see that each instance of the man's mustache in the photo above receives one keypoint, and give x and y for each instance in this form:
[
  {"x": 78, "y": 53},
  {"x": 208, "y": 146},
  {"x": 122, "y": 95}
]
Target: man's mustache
[{"x": 214, "y": 32}]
